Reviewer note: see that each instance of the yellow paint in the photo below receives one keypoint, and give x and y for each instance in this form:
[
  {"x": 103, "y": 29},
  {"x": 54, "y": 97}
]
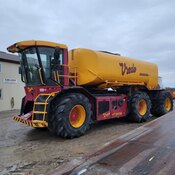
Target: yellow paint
[
  {"x": 106, "y": 70},
  {"x": 33, "y": 123},
  {"x": 24, "y": 44},
  {"x": 58, "y": 77},
  {"x": 142, "y": 107},
  {"x": 117, "y": 113},
  {"x": 79, "y": 118},
  {"x": 40, "y": 76},
  {"x": 168, "y": 104},
  {"x": 106, "y": 114},
  {"x": 44, "y": 112},
  {"x": 30, "y": 89}
]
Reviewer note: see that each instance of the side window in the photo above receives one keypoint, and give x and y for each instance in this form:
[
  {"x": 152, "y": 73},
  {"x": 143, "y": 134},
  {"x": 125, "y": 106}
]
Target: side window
[
  {"x": 51, "y": 62},
  {"x": 32, "y": 66},
  {"x": 46, "y": 64},
  {"x": 61, "y": 57},
  {"x": 46, "y": 55}
]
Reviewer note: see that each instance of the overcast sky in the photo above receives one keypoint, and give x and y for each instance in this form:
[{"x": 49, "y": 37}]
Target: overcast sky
[{"x": 142, "y": 29}]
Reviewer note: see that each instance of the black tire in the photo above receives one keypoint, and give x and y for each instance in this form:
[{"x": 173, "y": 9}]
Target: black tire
[
  {"x": 135, "y": 101},
  {"x": 60, "y": 122},
  {"x": 159, "y": 106}
]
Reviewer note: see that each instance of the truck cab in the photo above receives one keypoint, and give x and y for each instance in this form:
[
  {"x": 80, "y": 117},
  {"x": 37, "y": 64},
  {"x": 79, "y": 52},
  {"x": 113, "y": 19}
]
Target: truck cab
[
  {"x": 42, "y": 63},
  {"x": 44, "y": 70}
]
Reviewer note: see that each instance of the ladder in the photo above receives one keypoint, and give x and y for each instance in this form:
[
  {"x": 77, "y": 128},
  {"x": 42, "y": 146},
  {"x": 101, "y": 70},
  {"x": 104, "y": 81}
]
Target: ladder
[{"x": 40, "y": 106}]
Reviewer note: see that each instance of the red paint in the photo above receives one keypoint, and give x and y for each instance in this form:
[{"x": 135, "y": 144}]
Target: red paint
[
  {"x": 74, "y": 115},
  {"x": 126, "y": 69},
  {"x": 33, "y": 91},
  {"x": 119, "y": 111}
]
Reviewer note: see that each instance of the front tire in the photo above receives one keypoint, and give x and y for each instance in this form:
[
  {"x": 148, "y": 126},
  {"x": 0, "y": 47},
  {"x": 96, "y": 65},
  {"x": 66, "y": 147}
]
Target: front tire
[
  {"x": 71, "y": 117},
  {"x": 139, "y": 107}
]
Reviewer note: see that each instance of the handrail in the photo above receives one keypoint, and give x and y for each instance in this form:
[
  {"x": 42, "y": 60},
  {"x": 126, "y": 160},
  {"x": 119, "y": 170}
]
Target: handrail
[
  {"x": 71, "y": 74},
  {"x": 40, "y": 76}
]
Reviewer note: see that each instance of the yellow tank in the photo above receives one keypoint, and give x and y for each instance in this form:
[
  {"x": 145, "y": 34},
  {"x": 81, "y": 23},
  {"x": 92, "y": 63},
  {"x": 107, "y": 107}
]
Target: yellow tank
[{"x": 108, "y": 70}]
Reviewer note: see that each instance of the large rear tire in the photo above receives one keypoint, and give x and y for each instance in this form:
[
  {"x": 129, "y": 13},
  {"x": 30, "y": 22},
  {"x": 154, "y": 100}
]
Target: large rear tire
[
  {"x": 162, "y": 103},
  {"x": 139, "y": 107},
  {"x": 71, "y": 117}
]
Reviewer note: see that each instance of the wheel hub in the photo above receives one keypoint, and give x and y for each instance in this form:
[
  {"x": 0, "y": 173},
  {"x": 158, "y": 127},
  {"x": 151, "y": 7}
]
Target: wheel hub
[
  {"x": 142, "y": 107},
  {"x": 77, "y": 116},
  {"x": 168, "y": 104},
  {"x": 74, "y": 115}
]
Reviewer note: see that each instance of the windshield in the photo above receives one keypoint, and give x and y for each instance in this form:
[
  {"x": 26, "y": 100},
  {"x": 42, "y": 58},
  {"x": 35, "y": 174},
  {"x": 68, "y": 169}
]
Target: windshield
[{"x": 36, "y": 65}]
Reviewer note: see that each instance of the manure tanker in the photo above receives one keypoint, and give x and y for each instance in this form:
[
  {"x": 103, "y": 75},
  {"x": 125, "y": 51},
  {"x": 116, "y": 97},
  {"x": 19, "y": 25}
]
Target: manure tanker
[
  {"x": 66, "y": 91},
  {"x": 108, "y": 70}
]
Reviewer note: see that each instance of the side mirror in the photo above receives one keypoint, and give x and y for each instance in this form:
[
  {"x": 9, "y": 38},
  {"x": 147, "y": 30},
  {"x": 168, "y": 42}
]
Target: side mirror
[
  {"x": 57, "y": 53},
  {"x": 19, "y": 70}
]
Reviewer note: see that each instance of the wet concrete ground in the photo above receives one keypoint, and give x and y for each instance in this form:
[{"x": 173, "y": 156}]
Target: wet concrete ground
[
  {"x": 25, "y": 150},
  {"x": 150, "y": 149}
]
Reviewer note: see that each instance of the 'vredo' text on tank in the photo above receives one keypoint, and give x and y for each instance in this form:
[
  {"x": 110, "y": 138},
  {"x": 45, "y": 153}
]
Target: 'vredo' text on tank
[{"x": 126, "y": 69}]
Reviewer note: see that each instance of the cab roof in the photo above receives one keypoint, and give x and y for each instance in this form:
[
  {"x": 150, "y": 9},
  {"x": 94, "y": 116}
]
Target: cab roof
[{"x": 24, "y": 44}]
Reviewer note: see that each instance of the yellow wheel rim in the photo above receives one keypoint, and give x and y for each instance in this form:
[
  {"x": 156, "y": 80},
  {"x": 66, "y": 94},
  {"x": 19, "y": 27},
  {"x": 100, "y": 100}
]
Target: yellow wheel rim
[
  {"x": 142, "y": 107},
  {"x": 77, "y": 116},
  {"x": 168, "y": 104}
]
